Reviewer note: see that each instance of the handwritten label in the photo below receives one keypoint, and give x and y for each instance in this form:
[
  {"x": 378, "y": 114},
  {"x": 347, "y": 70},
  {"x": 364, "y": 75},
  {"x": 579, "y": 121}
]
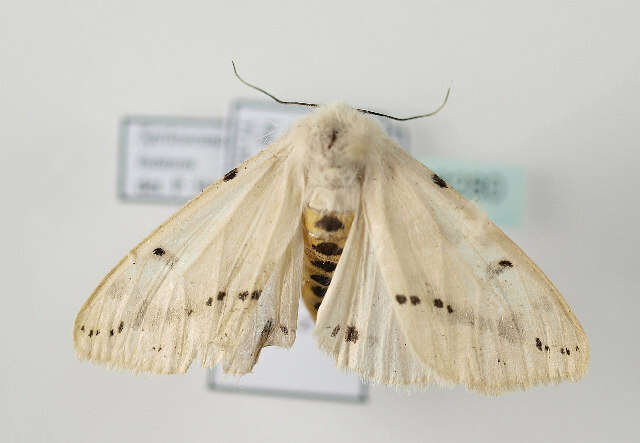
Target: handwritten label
[{"x": 169, "y": 159}]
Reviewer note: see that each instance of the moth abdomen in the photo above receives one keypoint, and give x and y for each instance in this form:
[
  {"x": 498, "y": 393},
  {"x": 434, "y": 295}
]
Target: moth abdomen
[{"x": 325, "y": 233}]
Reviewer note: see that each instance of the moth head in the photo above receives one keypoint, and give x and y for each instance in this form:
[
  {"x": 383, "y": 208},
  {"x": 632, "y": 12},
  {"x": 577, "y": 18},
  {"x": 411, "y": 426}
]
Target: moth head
[{"x": 337, "y": 136}]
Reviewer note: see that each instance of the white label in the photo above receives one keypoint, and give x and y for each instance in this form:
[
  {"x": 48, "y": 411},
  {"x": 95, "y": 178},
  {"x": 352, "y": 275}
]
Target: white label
[{"x": 169, "y": 159}]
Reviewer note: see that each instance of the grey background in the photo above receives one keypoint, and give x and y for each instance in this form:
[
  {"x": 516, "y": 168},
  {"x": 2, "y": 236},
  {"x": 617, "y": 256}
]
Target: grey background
[{"x": 549, "y": 85}]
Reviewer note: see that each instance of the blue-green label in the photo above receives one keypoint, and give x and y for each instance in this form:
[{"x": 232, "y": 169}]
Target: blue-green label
[{"x": 498, "y": 189}]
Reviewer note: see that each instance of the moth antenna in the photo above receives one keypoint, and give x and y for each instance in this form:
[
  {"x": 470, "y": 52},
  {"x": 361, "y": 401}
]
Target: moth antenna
[
  {"x": 235, "y": 71},
  {"x": 413, "y": 117},
  {"x": 365, "y": 111}
]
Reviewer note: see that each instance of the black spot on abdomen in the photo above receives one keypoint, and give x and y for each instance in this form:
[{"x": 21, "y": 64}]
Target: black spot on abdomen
[
  {"x": 328, "y": 248},
  {"x": 325, "y": 265},
  {"x": 329, "y": 223},
  {"x": 319, "y": 291},
  {"x": 322, "y": 279},
  {"x": 231, "y": 174},
  {"x": 158, "y": 251},
  {"x": 505, "y": 264}
]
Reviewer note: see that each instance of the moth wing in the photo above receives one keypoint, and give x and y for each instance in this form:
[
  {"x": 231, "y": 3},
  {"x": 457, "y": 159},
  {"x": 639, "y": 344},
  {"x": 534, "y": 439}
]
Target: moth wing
[
  {"x": 220, "y": 278},
  {"x": 483, "y": 314},
  {"x": 356, "y": 323}
]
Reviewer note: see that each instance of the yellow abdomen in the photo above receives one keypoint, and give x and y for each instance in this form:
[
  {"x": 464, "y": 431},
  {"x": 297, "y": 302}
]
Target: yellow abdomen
[{"x": 325, "y": 234}]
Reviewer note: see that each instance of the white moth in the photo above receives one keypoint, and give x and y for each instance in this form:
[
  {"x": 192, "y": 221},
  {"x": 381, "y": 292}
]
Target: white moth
[{"x": 409, "y": 283}]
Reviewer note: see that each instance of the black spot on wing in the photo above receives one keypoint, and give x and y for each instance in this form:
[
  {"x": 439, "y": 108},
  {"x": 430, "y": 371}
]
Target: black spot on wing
[
  {"x": 120, "y": 327},
  {"x": 322, "y": 279},
  {"x": 329, "y": 223},
  {"x": 209, "y": 301},
  {"x": 438, "y": 303},
  {"x": 502, "y": 266},
  {"x": 325, "y": 265},
  {"x": 82, "y": 328},
  {"x": 319, "y": 291},
  {"x": 284, "y": 329},
  {"x": 438, "y": 181},
  {"x": 546, "y": 348},
  {"x": 328, "y": 248},
  {"x": 401, "y": 299},
  {"x": 243, "y": 295},
  {"x": 449, "y": 309},
  {"x": 335, "y": 331},
  {"x": 221, "y": 295},
  {"x": 415, "y": 300},
  {"x": 231, "y": 174},
  {"x": 91, "y": 333},
  {"x": 256, "y": 294},
  {"x": 267, "y": 328},
  {"x": 538, "y": 344},
  {"x": 159, "y": 252},
  {"x": 351, "y": 335}
]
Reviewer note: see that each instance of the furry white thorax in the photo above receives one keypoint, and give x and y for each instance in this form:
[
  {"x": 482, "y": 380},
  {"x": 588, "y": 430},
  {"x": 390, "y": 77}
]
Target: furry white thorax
[{"x": 334, "y": 144}]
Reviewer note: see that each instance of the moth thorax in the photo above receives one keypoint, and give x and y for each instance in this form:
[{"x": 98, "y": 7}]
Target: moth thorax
[{"x": 325, "y": 234}]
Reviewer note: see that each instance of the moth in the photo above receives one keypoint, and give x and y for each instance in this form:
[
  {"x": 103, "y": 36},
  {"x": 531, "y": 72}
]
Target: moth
[{"x": 408, "y": 283}]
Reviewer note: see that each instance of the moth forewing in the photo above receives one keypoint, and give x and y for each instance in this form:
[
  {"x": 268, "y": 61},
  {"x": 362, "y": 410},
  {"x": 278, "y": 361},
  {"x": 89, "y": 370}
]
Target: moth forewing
[
  {"x": 484, "y": 314},
  {"x": 194, "y": 285}
]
